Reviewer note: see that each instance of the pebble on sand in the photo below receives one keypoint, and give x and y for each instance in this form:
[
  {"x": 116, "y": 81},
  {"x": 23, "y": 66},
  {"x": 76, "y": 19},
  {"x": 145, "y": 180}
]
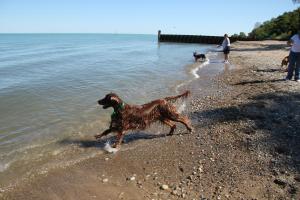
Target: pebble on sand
[
  {"x": 174, "y": 192},
  {"x": 131, "y": 178},
  {"x": 105, "y": 180},
  {"x": 164, "y": 187}
]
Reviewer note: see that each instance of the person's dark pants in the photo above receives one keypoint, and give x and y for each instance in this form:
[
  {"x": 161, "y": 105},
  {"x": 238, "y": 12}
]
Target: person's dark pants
[
  {"x": 226, "y": 50},
  {"x": 294, "y": 64}
]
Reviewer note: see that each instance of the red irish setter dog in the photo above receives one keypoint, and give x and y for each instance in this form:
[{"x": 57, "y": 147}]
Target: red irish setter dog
[{"x": 138, "y": 117}]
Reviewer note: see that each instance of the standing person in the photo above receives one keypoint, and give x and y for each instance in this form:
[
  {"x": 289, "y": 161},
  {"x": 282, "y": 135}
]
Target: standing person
[
  {"x": 294, "y": 57},
  {"x": 226, "y": 47}
]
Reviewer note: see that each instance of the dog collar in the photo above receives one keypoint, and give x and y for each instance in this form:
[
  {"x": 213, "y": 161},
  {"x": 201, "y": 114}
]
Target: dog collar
[{"x": 121, "y": 106}]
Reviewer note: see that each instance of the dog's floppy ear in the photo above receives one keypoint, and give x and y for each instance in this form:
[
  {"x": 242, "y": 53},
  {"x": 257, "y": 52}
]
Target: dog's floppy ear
[{"x": 115, "y": 99}]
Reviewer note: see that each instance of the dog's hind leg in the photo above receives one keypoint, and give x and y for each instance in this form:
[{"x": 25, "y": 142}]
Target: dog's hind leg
[
  {"x": 184, "y": 120},
  {"x": 170, "y": 113},
  {"x": 171, "y": 124}
]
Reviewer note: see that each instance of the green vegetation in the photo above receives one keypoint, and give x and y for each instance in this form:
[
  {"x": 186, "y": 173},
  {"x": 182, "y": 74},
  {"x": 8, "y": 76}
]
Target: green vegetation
[
  {"x": 241, "y": 35},
  {"x": 280, "y": 28}
]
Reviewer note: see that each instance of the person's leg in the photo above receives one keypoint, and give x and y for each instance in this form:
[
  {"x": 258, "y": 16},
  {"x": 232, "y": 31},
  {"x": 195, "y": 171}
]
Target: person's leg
[
  {"x": 292, "y": 60},
  {"x": 228, "y": 51},
  {"x": 297, "y": 68},
  {"x": 226, "y": 57},
  {"x": 225, "y": 54}
]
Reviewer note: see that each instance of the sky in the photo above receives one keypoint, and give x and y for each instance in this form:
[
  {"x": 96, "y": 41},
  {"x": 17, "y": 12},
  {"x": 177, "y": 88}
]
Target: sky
[{"x": 199, "y": 17}]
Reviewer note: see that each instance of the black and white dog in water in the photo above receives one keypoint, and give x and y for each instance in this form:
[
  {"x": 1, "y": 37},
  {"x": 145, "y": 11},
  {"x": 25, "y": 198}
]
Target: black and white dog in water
[{"x": 199, "y": 56}]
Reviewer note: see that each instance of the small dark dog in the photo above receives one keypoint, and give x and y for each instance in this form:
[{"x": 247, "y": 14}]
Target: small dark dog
[
  {"x": 285, "y": 62},
  {"x": 138, "y": 117},
  {"x": 199, "y": 56}
]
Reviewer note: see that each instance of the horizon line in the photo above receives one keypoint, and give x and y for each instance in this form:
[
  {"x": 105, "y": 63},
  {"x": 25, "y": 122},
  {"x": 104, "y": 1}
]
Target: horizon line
[{"x": 75, "y": 33}]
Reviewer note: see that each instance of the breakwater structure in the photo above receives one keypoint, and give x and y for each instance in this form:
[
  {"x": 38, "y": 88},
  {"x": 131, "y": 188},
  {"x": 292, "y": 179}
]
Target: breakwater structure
[{"x": 197, "y": 38}]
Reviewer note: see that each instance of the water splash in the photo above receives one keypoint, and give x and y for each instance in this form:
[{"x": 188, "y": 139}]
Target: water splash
[
  {"x": 182, "y": 107},
  {"x": 109, "y": 148}
]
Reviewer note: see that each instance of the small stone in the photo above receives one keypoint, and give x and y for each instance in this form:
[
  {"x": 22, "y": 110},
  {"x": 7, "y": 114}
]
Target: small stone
[
  {"x": 132, "y": 178},
  {"x": 106, "y": 159},
  {"x": 174, "y": 192},
  {"x": 164, "y": 187},
  {"x": 181, "y": 169},
  {"x": 280, "y": 182},
  {"x": 177, "y": 188},
  {"x": 121, "y": 195},
  {"x": 297, "y": 178},
  {"x": 200, "y": 169},
  {"x": 105, "y": 180}
]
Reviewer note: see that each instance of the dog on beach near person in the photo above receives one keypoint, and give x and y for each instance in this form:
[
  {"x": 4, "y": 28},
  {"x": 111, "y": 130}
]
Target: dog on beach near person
[
  {"x": 138, "y": 117},
  {"x": 197, "y": 56},
  {"x": 285, "y": 62}
]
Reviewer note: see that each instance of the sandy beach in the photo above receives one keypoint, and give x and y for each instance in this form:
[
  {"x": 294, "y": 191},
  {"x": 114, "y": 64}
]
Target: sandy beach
[{"x": 246, "y": 144}]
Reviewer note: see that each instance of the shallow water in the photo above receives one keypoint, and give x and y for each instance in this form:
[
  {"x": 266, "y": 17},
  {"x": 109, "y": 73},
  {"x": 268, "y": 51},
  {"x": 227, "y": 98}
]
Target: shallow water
[{"x": 50, "y": 83}]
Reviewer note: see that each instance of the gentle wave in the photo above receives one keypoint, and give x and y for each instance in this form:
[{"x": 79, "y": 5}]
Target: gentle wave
[{"x": 195, "y": 70}]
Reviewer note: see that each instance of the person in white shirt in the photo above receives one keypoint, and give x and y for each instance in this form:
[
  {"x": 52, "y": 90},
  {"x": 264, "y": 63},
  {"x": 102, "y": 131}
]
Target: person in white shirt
[
  {"x": 294, "y": 57},
  {"x": 226, "y": 47}
]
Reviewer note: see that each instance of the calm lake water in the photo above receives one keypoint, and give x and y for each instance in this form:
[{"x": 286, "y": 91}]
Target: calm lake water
[{"x": 50, "y": 83}]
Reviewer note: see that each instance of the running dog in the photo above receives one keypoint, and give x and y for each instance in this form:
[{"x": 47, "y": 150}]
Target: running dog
[
  {"x": 138, "y": 117},
  {"x": 199, "y": 56}
]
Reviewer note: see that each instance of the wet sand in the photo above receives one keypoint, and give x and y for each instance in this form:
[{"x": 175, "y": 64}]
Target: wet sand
[{"x": 246, "y": 143}]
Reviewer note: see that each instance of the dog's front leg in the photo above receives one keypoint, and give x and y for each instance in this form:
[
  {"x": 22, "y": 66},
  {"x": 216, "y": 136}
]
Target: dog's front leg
[
  {"x": 119, "y": 139},
  {"x": 107, "y": 131}
]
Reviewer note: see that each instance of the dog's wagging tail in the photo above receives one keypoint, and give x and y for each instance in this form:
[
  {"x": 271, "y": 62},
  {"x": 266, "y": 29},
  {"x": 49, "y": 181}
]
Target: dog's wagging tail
[{"x": 138, "y": 117}]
